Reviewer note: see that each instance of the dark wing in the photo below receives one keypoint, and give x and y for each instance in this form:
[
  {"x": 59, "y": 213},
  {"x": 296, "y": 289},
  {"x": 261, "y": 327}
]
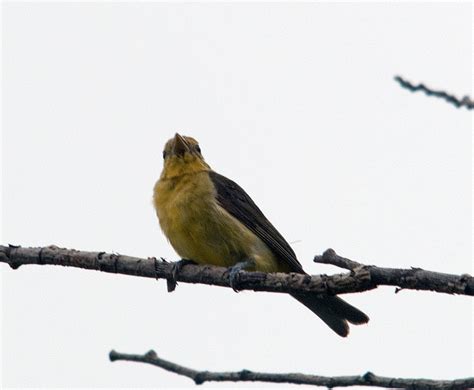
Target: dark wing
[{"x": 236, "y": 202}]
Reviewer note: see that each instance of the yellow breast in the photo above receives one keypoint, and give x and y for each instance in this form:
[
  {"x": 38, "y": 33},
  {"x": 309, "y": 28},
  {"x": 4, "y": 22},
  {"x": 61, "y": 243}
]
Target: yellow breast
[{"x": 199, "y": 229}]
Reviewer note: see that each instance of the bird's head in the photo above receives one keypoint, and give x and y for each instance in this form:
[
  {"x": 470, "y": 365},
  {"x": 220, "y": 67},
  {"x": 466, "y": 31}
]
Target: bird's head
[{"x": 182, "y": 155}]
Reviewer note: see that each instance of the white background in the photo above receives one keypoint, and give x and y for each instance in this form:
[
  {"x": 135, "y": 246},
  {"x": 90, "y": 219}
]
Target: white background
[{"x": 295, "y": 102}]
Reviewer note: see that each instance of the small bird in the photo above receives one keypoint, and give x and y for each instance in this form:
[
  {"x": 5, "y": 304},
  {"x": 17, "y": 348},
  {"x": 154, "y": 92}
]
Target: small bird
[{"x": 210, "y": 219}]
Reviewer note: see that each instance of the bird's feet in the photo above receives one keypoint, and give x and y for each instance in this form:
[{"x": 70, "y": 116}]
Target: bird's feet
[
  {"x": 235, "y": 270},
  {"x": 172, "y": 282}
]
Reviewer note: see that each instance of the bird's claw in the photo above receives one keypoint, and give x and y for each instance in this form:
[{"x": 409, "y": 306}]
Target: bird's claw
[
  {"x": 234, "y": 278},
  {"x": 172, "y": 282},
  {"x": 234, "y": 273}
]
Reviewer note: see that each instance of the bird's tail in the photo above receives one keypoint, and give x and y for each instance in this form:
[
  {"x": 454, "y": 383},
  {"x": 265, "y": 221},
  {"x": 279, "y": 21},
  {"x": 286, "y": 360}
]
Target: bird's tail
[{"x": 334, "y": 311}]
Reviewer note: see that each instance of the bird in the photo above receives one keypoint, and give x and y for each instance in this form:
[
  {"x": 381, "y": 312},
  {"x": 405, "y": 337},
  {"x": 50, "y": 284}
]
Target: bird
[{"x": 209, "y": 219}]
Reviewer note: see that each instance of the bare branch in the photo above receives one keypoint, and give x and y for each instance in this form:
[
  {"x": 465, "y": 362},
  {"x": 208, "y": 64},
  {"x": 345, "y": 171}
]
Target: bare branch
[
  {"x": 330, "y": 257},
  {"x": 466, "y": 101},
  {"x": 360, "y": 279},
  {"x": 368, "y": 379},
  {"x": 414, "y": 278}
]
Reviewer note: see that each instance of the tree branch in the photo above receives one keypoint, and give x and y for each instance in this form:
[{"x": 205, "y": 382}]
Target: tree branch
[
  {"x": 368, "y": 379},
  {"x": 361, "y": 278},
  {"x": 466, "y": 101},
  {"x": 414, "y": 278}
]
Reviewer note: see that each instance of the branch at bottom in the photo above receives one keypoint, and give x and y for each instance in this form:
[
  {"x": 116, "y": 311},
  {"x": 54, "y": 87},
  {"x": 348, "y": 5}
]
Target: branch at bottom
[{"x": 368, "y": 379}]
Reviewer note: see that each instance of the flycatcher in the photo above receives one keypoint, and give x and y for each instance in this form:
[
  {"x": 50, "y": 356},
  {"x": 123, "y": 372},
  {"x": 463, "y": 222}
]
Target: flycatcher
[{"x": 210, "y": 219}]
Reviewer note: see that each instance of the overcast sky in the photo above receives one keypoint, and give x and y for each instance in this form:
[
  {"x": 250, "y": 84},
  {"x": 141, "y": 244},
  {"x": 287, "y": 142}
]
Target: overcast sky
[{"x": 295, "y": 102}]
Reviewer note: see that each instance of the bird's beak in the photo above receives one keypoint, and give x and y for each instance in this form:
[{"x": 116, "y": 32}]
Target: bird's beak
[{"x": 180, "y": 145}]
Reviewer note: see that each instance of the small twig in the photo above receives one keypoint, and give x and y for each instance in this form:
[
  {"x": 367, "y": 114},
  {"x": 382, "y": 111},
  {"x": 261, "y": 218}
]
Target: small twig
[
  {"x": 466, "y": 101},
  {"x": 413, "y": 278},
  {"x": 361, "y": 278},
  {"x": 330, "y": 257},
  {"x": 368, "y": 379}
]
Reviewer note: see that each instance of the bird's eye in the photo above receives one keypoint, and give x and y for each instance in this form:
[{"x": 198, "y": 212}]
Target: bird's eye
[
  {"x": 164, "y": 154},
  {"x": 198, "y": 149}
]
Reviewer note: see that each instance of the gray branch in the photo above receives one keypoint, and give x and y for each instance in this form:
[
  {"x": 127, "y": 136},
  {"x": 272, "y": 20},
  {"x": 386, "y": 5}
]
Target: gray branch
[
  {"x": 414, "y": 278},
  {"x": 368, "y": 379},
  {"x": 360, "y": 278},
  {"x": 466, "y": 101}
]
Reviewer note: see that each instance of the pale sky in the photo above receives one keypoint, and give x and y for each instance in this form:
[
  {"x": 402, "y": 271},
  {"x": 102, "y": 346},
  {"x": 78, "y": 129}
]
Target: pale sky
[{"x": 296, "y": 103}]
